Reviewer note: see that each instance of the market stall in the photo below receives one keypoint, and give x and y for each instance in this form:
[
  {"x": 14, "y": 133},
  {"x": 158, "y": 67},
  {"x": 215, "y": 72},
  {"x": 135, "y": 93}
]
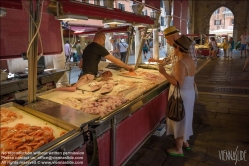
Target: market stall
[{"x": 120, "y": 113}]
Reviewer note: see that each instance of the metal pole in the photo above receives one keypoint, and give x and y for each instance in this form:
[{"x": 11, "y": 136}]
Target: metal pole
[
  {"x": 113, "y": 141},
  {"x": 33, "y": 53},
  {"x": 140, "y": 48},
  {"x": 130, "y": 44}
]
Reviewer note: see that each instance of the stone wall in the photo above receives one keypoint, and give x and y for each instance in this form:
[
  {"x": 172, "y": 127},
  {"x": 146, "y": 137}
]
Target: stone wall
[{"x": 204, "y": 9}]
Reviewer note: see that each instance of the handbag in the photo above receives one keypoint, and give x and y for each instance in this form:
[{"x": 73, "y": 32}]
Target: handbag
[{"x": 175, "y": 109}]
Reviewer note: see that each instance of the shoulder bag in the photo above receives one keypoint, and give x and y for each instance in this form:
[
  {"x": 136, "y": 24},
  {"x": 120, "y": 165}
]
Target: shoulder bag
[{"x": 175, "y": 109}]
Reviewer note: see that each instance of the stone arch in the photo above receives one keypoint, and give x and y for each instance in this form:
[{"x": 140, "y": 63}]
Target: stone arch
[
  {"x": 204, "y": 10},
  {"x": 218, "y": 8}
]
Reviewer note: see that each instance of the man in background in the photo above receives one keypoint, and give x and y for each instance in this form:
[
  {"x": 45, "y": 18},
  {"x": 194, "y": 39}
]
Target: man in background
[
  {"x": 67, "y": 50},
  {"x": 243, "y": 44},
  {"x": 123, "y": 49}
]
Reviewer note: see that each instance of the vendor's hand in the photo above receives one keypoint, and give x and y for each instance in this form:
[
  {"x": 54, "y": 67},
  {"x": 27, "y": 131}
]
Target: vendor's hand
[
  {"x": 130, "y": 68},
  {"x": 161, "y": 69},
  {"x": 151, "y": 60}
]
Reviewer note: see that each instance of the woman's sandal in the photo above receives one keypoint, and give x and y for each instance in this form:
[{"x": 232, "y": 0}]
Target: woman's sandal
[
  {"x": 187, "y": 148},
  {"x": 174, "y": 154}
]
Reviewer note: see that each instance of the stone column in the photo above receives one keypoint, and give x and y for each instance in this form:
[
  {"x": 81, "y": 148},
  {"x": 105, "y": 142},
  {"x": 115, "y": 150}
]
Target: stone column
[
  {"x": 137, "y": 44},
  {"x": 155, "y": 53}
]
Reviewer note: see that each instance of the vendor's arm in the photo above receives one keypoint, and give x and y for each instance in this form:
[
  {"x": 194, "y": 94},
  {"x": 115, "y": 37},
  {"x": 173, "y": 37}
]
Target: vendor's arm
[{"x": 119, "y": 62}]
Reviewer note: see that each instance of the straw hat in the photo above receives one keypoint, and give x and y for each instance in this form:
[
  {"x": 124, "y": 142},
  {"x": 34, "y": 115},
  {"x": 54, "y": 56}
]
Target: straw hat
[
  {"x": 184, "y": 43},
  {"x": 170, "y": 31}
]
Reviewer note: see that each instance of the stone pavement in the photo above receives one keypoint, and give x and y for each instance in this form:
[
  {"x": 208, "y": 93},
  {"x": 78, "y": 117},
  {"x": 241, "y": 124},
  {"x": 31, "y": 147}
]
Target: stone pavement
[{"x": 220, "y": 124}]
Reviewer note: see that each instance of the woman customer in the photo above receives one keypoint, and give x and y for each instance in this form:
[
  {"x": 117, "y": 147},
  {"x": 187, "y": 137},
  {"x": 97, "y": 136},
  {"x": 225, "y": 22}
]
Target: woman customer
[
  {"x": 214, "y": 48},
  {"x": 183, "y": 73}
]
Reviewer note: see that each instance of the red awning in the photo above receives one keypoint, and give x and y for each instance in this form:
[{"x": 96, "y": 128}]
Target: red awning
[
  {"x": 100, "y": 12},
  {"x": 11, "y": 4},
  {"x": 152, "y": 4},
  {"x": 14, "y": 30}
]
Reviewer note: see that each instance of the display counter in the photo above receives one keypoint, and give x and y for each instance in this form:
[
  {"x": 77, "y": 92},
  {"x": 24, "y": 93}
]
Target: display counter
[
  {"x": 116, "y": 134},
  {"x": 37, "y": 138},
  {"x": 120, "y": 133}
]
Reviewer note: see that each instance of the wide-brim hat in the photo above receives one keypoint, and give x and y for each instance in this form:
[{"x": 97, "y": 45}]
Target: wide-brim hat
[
  {"x": 170, "y": 31},
  {"x": 184, "y": 43}
]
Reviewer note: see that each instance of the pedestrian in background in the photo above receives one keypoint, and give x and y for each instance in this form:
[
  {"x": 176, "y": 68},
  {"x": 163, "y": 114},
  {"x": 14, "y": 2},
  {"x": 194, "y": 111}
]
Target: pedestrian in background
[
  {"x": 243, "y": 44},
  {"x": 225, "y": 45},
  {"x": 145, "y": 49},
  {"x": 247, "y": 61},
  {"x": 230, "y": 48},
  {"x": 115, "y": 49},
  {"x": 67, "y": 50},
  {"x": 214, "y": 48},
  {"x": 123, "y": 49}
]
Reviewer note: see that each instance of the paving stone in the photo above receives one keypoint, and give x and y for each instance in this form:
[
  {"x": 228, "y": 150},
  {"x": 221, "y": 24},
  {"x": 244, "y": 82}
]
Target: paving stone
[
  {"x": 239, "y": 111},
  {"x": 179, "y": 161},
  {"x": 162, "y": 146},
  {"x": 159, "y": 159},
  {"x": 232, "y": 125},
  {"x": 237, "y": 118},
  {"x": 214, "y": 158},
  {"x": 148, "y": 157},
  {"x": 203, "y": 164},
  {"x": 192, "y": 154},
  {"x": 219, "y": 100},
  {"x": 199, "y": 139},
  {"x": 218, "y": 133},
  {"x": 214, "y": 142},
  {"x": 238, "y": 135},
  {"x": 217, "y": 109},
  {"x": 205, "y": 114},
  {"x": 232, "y": 145},
  {"x": 215, "y": 123}
]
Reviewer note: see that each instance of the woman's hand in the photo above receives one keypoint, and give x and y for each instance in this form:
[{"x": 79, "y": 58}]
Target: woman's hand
[{"x": 161, "y": 69}]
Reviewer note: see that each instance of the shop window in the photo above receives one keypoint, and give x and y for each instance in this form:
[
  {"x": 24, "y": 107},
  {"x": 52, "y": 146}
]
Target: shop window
[
  {"x": 217, "y": 11},
  {"x": 161, "y": 3},
  {"x": 217, "y": 22},
  {"x": 144, "y": 12},
  {"x": 162, "y": 21},
  {"x": 121, "y": 6}
]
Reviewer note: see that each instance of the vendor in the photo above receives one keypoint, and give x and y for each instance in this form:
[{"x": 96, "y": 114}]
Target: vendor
[
  {"x": 91, "y": 58},
  {"x": 93, "y": 53}
]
